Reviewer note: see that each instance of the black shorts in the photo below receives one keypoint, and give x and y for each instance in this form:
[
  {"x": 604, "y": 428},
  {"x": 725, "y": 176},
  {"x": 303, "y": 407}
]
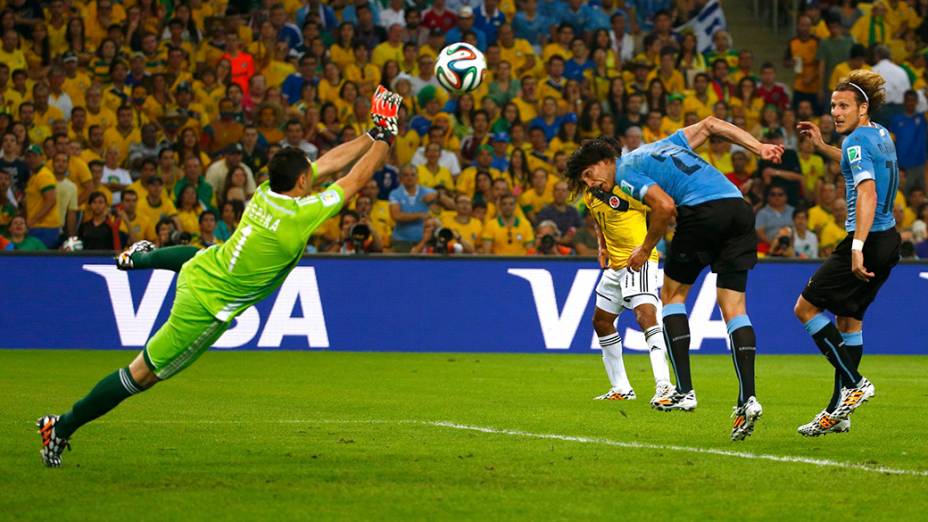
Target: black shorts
[
  {"x": 834, "y": 287},
  {"x": 718, "y": 233}
]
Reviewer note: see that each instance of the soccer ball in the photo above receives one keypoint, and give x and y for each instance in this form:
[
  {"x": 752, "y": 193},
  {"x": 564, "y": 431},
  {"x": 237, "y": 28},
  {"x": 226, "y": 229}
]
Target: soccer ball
[
  {"x": 72, "y": 244},
  {"x": 460, "y": 68}
]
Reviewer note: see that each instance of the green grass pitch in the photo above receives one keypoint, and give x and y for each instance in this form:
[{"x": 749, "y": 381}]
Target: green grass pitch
[{"x": 355, "y": 436}]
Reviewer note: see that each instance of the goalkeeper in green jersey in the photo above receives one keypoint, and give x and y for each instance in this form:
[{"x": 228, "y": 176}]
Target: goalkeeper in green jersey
[{"x": 217, "y": 284}]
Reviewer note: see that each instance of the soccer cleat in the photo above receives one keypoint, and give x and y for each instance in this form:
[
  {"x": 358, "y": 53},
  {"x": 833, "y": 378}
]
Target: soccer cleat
[
  {"x": 745, "y": 417},
  {"x": 52, "y": 445},
  {"x": 676, "y": 401},
  {"x": 124, "y": 259},
  {"x": 853, "y": 398},
  {"x": 614, "y": 395},
  {"x": 663, "y": 390},
  {"x": 823, "y": 424}
]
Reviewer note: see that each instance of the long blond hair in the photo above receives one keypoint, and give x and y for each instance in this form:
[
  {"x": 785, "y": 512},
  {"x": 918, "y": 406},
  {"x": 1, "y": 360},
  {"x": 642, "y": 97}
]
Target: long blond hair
[{"x": 867, "y": 87}]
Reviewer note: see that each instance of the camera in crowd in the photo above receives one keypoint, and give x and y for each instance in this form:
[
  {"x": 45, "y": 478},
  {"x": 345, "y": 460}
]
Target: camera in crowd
[
  {"x": 359, "y": 236},
  {"x": 547, "y": 244}
]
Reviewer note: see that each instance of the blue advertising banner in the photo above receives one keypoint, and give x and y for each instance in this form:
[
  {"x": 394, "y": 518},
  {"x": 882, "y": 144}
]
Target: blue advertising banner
[{"x": 526, "y": 305}]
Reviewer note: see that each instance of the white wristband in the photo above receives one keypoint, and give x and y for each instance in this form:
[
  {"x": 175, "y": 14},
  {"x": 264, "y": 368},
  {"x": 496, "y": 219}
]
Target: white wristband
[{"x": 857, "y": 245}]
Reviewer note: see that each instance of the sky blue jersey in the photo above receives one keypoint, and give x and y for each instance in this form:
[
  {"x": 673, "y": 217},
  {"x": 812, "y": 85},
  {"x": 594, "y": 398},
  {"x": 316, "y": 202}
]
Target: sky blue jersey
[
  {"x": 672, "y": 165},
  {"x": 869, "y": 153}
]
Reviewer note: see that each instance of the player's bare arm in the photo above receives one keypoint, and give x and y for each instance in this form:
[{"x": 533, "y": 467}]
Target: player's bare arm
[
  {"x": 338, "y": 159},
  {"x": 866, "y": 208},
  {"x": 602, "y": 252},
  {"x": 364, "y": 169},
  {"x": 698, "y": 133},
  {"x": 811, "y": 131},
  {"x": 663, "y": 211}
]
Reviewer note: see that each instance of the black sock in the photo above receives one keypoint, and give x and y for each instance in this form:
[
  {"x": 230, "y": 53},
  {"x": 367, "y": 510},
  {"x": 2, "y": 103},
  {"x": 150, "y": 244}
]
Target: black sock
[
  {"x": 853, "y": 343},
  {"x": 743, "y": 350},
  {"x": 106, "y": 395},
  {"x": 677, "y": 336},
  {"x": 831, "y": 344}
]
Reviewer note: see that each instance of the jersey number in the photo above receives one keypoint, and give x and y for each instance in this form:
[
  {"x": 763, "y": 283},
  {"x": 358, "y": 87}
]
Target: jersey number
[
  {"x": 674, "y": 155},
  {"x": 237, "y": 251},
  {"x": 888, "y": 205}
]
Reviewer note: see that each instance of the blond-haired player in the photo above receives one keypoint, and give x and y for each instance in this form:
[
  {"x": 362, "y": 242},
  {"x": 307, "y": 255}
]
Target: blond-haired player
[{"x": 622, "y": 226}]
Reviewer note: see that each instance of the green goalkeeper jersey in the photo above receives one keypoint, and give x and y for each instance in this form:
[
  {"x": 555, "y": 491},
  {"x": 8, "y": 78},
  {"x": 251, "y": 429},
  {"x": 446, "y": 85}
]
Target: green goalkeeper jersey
[{"x": 266, "y": 246}]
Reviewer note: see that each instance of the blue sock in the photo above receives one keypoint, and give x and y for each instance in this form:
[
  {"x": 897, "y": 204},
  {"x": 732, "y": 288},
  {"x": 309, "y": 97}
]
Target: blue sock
[
  {"x": 832, "y": 346},
  {"x": 854, "y": 344}
]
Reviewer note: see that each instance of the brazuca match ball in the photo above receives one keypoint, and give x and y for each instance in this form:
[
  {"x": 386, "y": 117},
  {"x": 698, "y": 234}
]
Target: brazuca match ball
[{"x": 460, "y": 67}]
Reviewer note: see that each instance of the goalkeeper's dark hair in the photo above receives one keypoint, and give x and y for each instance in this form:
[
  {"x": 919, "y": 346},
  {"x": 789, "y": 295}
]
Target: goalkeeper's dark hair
[
  {"x": 287, "y": 167},
  {"x": 590, "y": 153}
]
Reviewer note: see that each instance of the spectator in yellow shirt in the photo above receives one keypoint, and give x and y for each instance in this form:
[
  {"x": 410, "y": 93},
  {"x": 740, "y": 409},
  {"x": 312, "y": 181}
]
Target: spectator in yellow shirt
[
  {"x": 44, "y": 113},
  {"x": 42, "y": 216},
  {"x": 719, "y": 154},
  {"x": 431, "y": 174},
  {"x": 507, "y": 234},
  {"x": 701, "y": 99},
  {"x": 132, "y": 224},
  {"x": 341, "y": 52},
  {"x": 468, "y": 229},
  {"x": 11, "y": 52},
  {"x": 124, "y": 133},
  {"x": 673, "y": 120},
  {"x": 539, "y": 195},
  {"x": 391, "y": 49},
  {"x": 155, "y": 206},
  {"x": 812, "y": 165},
  {"x": 856, "y": 60},
  {"x": 36, "y": 133},
  {"x": 833, "y": 231},
  {"x": 653, "y": 129},
  {"x": 361, "y": 70},
  {"x": 667, "y": 71}
]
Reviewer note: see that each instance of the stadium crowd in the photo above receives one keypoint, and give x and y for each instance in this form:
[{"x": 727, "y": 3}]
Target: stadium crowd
[{"x": 155, "y": 119}]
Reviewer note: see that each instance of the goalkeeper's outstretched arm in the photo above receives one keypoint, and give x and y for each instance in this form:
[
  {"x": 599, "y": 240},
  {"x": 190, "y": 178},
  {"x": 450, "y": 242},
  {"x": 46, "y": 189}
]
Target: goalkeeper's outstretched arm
[
  {"x": 364, "y": 169},
  {"x": 341, "y": 157}
]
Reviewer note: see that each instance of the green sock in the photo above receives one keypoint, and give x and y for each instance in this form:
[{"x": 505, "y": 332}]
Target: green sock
[
  {"x": 167, "y": 258},
  {"x": 106, "y": 395}
]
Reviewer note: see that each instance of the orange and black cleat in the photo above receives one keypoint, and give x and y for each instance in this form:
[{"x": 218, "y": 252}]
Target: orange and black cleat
[{"x": 52, "y": 445}]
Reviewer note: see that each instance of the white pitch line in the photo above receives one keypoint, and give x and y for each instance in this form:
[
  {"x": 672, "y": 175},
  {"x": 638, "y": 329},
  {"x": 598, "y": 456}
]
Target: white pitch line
[{"x": 789, "y": 459}]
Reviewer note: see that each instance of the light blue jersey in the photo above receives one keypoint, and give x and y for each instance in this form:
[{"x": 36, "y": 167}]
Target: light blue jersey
[
  {"x": 673, "y": 166},
  {"x": 869, "y": 153}
]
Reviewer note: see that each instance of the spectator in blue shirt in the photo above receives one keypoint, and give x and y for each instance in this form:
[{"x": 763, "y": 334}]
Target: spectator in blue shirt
[
  {"x": 578, "y": 14},
  {"x": 409, "y": 208},
  {"x": 909, "y": 127},
  {"x": 599, "y": 18},
  {"x": 549, "y": 122},
  {"x": 531, "y": 25},
  {"x": 646, "y": 9},
  {"x": 327, "y": 17},
  {"x": 286, "y": 31},
  {"x": 488, "y": 18},
  {"x": 293, "y": 86},
  {"x": 465, "y": 24},
  {"x": 576, "y": 66},
  {"x": 500, "y": 142}
]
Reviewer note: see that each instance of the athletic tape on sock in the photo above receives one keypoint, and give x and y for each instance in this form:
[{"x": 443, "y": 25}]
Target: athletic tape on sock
[
  {"x": 738, "y": 322},
  {"x": 673, "y": 309},
  {"x": 853, "y": 338},
  {"x": 816, "y": 323}
]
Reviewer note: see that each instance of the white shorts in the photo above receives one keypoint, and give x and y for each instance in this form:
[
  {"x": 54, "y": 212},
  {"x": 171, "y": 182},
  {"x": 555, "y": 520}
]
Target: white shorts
[{"x": 623, "y": 288}]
